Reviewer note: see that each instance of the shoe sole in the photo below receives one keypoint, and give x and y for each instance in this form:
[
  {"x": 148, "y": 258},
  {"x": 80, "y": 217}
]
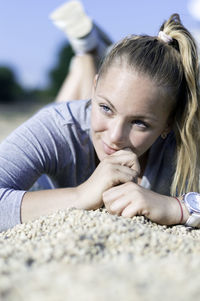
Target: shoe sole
[{"x": 72, "y": 19}]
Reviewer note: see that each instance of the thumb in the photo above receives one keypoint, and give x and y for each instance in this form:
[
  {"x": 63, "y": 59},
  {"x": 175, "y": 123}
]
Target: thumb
[{"x": 135, "y": 164}]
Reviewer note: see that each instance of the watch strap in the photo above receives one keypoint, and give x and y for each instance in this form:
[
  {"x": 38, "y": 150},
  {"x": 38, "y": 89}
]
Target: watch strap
[{"x": 193, "y": 220}]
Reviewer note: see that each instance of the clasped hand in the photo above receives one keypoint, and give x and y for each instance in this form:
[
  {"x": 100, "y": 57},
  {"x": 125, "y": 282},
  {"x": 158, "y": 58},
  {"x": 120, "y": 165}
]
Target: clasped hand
[{"x": 114, "y": 184}]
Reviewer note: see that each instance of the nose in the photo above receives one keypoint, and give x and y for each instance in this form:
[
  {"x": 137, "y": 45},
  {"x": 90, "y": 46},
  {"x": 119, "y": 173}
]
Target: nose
[{"x": 118, "y": 133}]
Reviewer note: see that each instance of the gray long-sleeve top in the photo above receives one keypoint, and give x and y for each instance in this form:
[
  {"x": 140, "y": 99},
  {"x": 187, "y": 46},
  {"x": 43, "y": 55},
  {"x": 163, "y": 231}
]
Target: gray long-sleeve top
[{"x": 56, "y": 142}]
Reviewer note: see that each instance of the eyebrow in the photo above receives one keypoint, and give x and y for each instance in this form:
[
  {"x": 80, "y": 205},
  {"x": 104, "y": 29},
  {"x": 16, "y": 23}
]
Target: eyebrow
[{"x": 139, "y": 116}]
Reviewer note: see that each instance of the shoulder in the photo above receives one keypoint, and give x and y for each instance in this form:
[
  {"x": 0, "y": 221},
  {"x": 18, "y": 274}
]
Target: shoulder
[
  {"x": 71, "y": 112},
  {"x": 53, "y": 122},
  {"x": 164, "y": 145},
  {"x": 162, "y": 152}
]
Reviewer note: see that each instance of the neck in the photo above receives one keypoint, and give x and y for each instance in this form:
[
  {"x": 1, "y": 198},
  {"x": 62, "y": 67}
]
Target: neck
[
  {"x": 96, "y": 158},
  {"x": 143, "y": 163}
]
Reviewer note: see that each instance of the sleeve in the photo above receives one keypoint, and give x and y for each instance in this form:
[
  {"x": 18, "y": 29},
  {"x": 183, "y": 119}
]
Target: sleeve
[{"x": 37, "y": 147}]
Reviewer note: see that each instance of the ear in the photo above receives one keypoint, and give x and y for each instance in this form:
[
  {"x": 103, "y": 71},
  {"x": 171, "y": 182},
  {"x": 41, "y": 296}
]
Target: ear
[
  {"x": 169, "y": 125},
  {"x": 167, "y": 130},
  {"x": 95, "y": 81},
  {"x": 94, "y": 84}
]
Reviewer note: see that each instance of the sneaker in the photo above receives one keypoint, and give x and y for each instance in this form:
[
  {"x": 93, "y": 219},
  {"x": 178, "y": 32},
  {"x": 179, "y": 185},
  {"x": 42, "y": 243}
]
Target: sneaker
[
  {"x": 83, "y": 35},
  {"x": 72, "y": 19}
]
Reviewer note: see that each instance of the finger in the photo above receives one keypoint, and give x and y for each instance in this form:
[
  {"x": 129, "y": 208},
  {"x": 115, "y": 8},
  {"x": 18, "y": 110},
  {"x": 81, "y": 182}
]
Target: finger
[
  {"x": 111, "y": 196},
  {"x": 117, "y": 191},
  {"x": 113, "y": 192},
  {"x": 127, "y": 158},
  {"x": 122, "y": 174},
  {"x": 117, "y": 196},
  {"x": 127, "y": 171},
  {"x": 124, "y": 153},
  {"x": 130, "y": 211},
  {"x": 118, "y": 206},
  {"x": 115, "y": 205}
]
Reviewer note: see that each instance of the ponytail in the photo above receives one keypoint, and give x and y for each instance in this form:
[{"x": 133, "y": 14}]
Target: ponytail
[{"x": 187, "y": 113}]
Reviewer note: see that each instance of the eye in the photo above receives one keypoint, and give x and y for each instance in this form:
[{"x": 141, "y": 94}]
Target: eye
[
  {"x": 140, "y": 123},
  {"x": 105, "y": 109}
]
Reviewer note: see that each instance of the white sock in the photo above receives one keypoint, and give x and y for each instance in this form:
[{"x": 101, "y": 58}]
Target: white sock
[{"x": 85, "y": 44}]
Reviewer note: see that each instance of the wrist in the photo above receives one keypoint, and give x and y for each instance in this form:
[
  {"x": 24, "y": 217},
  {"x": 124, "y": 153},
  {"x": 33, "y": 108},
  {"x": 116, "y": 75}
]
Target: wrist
[
  {"x": 81, "y": 198},
  {"x": 184, "y": 212},
  {"x": 88, "y": 198}
]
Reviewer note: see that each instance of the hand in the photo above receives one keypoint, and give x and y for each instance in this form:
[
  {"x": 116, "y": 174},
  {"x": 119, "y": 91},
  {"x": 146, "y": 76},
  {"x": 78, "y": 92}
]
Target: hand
[
  {"x": 130, "y": 199},
  {"x": 118, "y": 168}
]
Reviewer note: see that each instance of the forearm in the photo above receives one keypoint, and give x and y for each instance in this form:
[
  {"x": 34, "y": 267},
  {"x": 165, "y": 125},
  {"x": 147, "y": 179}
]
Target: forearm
[{"x": 45, "y": 202}]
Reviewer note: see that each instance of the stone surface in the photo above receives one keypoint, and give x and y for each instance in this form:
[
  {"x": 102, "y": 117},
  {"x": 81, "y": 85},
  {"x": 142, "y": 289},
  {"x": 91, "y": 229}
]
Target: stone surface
[{"x": 92, "y": 255}]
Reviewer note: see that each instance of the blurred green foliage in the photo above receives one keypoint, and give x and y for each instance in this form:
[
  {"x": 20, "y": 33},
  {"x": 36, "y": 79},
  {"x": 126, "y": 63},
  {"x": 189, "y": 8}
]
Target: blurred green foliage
[
  {"x": 9, "y": 87},
  {"x": 59, "y": 72},
  {"x": 11, "y": 90}
]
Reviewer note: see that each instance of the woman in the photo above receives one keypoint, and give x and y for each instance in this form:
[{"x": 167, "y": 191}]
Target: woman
[{"x": 134, "y": 149}]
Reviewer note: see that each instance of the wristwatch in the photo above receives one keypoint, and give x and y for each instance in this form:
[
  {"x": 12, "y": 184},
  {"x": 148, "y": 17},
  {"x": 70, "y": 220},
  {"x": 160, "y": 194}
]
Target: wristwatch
[{"x": 192, "y": 202}]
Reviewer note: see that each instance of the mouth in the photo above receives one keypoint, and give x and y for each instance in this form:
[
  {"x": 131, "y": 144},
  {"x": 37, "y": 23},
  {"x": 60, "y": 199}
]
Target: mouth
[{"x": 108, "y": 150}]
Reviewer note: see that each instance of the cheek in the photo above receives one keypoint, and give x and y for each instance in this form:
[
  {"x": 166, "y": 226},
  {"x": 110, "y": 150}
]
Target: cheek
[{"x": 142, "y": 141}]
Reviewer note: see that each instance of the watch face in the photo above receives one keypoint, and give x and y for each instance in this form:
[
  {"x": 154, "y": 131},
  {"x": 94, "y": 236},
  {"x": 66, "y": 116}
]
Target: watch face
[{"x": 193, "y": 200}]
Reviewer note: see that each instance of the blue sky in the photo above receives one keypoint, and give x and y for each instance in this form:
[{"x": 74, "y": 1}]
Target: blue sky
[{"x": 29, "y": 42}]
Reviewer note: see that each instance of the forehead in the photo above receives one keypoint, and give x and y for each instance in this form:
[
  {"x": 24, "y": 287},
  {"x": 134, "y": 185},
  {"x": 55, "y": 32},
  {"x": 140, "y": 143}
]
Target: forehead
[{"x": 129, "y": 91}]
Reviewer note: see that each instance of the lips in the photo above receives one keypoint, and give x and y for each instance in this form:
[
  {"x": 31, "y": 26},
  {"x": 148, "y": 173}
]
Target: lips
[{"x": 108, "y": 150}]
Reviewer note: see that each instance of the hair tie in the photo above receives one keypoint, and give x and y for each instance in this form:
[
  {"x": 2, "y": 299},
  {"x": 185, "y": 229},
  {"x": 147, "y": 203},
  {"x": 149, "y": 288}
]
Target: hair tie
[{"x": 164, "y": 37}]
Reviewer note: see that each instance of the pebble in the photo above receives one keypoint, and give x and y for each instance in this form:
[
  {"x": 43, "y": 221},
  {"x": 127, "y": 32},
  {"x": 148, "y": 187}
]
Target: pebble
[{"x": 92, "y": 255}]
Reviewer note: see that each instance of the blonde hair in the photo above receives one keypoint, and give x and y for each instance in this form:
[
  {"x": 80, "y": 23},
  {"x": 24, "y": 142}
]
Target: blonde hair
[
  {"x": 174, "y": 66},
  {"x": 187, "y": 120}
]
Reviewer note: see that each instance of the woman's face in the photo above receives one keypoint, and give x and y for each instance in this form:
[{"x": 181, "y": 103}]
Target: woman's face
[{"x": 128, "y": 111}]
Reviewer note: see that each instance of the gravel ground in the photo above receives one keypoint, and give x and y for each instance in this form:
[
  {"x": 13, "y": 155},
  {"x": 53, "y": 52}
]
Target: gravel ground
[{"x": 91, "y": 255}]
